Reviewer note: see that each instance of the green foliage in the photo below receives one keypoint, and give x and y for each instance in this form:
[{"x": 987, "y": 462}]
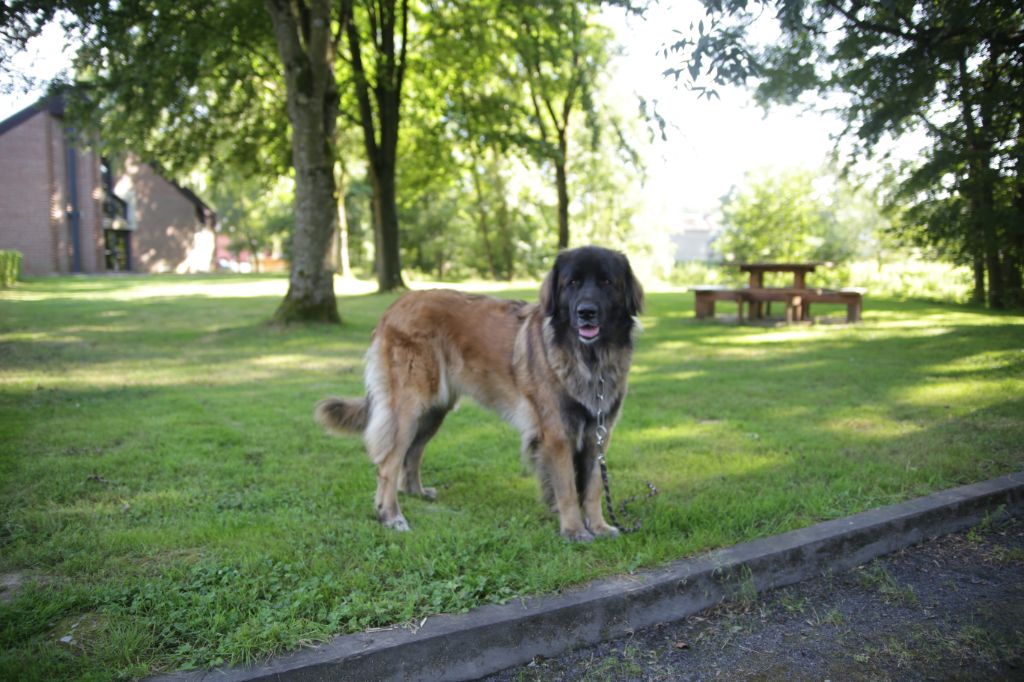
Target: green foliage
[
  {"x": 188, "y": 511},
  {"x": 454, "y": 108},
  {"x": 258, "y": 216},
  {"x": 10, "y": 267},
  {"x": 950, "y": 68},
  {"x": 474, "y": 216},
  {"x": 796, "y": 215},
  {"x": 470, "y": 201},
  {"x": 185, "y": 83},
  {"x": 528, "y": 78},
  {"x": 899, "y": 277}
]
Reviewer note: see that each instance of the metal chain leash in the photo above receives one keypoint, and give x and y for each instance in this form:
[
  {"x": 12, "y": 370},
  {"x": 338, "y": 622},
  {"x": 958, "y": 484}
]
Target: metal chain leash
[{"x": 601, "y": 436}]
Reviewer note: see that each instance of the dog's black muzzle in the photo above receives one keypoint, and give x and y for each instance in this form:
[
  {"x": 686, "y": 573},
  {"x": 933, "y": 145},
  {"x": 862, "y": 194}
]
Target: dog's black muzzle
[{"x": 588, "y": 322}]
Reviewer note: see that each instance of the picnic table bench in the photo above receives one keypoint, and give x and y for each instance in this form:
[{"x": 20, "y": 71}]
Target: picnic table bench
[{"x": 797, "y": 298}]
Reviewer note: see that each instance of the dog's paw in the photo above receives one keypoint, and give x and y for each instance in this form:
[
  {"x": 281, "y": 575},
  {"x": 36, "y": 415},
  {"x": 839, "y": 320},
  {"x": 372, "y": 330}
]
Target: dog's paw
[
  {"x": 604, "y": 530},
  {"x": 429, "y": 494},
  {"x": 396, "y": 523},
  {"x": 580, "y": 535}
]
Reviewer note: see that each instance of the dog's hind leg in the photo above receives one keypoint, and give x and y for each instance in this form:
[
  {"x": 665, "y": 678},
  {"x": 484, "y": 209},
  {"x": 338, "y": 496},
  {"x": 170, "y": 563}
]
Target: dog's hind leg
[
  {"x": 389, "y": 471},
  {"x": 389, "y": 436},
  {"x": 428, "y": 424}
]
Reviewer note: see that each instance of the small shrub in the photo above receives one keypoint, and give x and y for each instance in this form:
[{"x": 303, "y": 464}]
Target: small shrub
[{"x": 10, "y": 268}]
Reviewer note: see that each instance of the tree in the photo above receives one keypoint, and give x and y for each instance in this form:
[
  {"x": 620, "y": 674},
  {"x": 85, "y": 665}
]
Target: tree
[
  {"x": 558, "y": 57},
  {"x": 529, "y": 80},
  {"x": 307, "y": 48},
  {"x": 782, "y": 216},
  {"x": 953, "y": 68},
  {"x": 227, "y": 87},
  {"x": 197, "y": 83},
  {"x": 382, "y": 31},
  {"x": 256, "y": 214}
]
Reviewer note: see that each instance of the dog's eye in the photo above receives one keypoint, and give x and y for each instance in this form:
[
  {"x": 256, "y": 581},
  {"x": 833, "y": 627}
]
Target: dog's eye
[{"x": 574, "y": 282}]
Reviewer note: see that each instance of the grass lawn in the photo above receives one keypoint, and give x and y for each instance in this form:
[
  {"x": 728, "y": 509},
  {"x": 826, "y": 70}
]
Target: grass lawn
[{"x": 168, "y": 502}]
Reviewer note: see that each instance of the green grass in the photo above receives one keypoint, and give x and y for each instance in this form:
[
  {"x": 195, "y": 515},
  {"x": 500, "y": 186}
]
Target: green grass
[{"x": 168, "y": 502}]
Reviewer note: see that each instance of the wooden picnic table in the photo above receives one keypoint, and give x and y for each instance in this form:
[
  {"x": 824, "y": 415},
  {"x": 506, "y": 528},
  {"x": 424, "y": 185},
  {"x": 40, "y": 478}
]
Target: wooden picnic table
[
  {"x": 759, "y": 295},
  {"x": 757, "y": 271},
  {"x": 797, "y": 297}
]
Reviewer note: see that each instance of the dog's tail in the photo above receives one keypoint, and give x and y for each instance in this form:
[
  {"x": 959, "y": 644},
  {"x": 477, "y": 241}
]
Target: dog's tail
[{"x": 340, "y": 415}]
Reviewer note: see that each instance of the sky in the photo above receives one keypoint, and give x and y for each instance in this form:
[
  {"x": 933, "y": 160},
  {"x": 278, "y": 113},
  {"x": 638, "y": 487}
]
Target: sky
[{"x": 712, "y": 143}]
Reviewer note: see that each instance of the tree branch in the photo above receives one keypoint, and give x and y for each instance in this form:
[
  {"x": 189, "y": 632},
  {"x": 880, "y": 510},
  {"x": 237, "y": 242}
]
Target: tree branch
[
  {"x": 405, "y": 43},
  {"x": 873, "y": 27},
  {"x": 359, "y": 76}
]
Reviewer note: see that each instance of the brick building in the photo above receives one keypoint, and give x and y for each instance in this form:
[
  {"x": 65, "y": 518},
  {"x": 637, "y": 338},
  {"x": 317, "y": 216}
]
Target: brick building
[
  {"x": 60, "y": 209},
  {"x": 171, "y": 229}
]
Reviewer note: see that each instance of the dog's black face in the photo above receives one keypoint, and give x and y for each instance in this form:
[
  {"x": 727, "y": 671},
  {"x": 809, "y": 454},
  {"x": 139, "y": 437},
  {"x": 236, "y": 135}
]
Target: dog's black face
[{"x": 592, "y": 296}]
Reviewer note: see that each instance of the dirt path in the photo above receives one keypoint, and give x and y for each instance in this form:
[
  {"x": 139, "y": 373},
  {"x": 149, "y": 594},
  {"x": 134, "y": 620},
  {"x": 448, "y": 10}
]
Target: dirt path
[{"x": 950, "y": 609}]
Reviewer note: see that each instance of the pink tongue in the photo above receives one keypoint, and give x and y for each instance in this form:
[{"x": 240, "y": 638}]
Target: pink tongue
[{"x": 589, "y": 332}]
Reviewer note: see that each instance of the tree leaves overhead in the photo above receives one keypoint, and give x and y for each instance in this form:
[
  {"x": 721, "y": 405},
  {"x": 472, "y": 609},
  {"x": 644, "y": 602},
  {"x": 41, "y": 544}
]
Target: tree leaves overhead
[
  {"x": 952, "y": 68},
  {"x": 185, "y": 82},
  {"x": 525, "y": 74},
  {"x": 789, "y": 216},
  {"x": 445, "y": 94}
]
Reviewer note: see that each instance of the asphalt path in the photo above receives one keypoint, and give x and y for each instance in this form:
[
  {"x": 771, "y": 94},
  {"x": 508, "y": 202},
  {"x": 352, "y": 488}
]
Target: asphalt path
[{"x": 947, "y": 609}]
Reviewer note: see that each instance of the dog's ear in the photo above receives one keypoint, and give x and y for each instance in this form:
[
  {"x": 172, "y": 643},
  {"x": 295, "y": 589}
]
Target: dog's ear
[
  {"x": 634, "y": 291},
  {"x": 549, "y": 290}
]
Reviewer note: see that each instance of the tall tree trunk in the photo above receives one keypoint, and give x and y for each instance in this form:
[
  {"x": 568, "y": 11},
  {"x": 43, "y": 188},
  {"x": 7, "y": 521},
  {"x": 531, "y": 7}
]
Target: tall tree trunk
[
  {"x": 978, "y": 266},
  {"x": 481, "y": 211},
  {"x": 305, "y": 45},
  {"x": 342, "y": 260},
  {"x": 1015, "y": 276},
  {"x": 562, "y": 184},
  {"x": 986, "y": 194},
  {"x": 254, "y": 251},
  {"x": 979, "y": 185},
  {"x": 983, "y": 217},
  {"x": 1012, "y": 297},
  {"x": 543, "y": 89},
  {"x": 389, "y": 264},
  {"x": 381, "y": 124},
  {"x": 507, "y": 240}
]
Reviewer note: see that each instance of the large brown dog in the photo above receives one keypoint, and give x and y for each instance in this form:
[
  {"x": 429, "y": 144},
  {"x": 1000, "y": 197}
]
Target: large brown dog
[{"x": 556, "y": 370}]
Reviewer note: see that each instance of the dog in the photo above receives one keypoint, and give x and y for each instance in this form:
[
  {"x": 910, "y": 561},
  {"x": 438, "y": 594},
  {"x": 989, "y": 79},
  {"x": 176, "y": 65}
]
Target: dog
[{"x": 555, "y": 369}]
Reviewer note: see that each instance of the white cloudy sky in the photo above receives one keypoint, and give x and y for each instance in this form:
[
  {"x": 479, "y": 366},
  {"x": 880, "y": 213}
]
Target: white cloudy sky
[{"x": 712, "y": 143}]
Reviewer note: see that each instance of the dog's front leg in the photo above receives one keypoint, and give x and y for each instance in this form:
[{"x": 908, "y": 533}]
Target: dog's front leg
[
  {"x": 592, "y": 503},
  {"x": 562, "y": 479}
]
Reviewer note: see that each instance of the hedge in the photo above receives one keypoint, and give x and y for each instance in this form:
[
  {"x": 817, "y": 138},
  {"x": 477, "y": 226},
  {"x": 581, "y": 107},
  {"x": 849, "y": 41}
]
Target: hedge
[{"x": 10, "y": 267}]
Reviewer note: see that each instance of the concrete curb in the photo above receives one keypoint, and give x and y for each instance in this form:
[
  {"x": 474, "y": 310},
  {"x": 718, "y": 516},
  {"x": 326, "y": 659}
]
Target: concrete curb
[{"x": 491, "y": 638}]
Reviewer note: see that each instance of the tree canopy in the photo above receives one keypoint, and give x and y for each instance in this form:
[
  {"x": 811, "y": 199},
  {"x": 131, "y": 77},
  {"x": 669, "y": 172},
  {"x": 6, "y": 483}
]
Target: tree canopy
[
  {"x": 952, "y": 68},
  {"x": 794, "y": 215},
  {"x": 245, "y": 91}
]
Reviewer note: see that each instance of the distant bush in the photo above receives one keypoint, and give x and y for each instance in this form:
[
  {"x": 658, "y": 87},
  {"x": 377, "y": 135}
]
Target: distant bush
[
  {"x": 10, "y": 268},
  {"x": 909, "y": 278},
  {"x": 913, "y": 279},
  {"x": 696, "y": 273}
]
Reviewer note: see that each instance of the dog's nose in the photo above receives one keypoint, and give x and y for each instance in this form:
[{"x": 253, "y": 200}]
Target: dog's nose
[{"x": 587, "y": 312}]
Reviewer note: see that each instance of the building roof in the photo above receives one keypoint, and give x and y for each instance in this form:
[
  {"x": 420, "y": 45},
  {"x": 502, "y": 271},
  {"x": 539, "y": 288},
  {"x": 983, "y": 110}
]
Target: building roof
[
  {"x": 191, "y": 196},
  {"x": 53, "y": 104},
  {"x": 200, "y": 205}
]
